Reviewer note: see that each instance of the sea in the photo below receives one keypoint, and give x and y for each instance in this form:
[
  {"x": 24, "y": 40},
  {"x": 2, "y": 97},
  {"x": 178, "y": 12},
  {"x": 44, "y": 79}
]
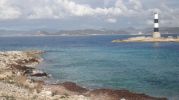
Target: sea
[{"x": 93, "y": 61}]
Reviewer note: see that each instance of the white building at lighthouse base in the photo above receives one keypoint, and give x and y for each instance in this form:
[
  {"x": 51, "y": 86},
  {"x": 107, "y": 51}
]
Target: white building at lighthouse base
[{"x": 156, "y": 35}]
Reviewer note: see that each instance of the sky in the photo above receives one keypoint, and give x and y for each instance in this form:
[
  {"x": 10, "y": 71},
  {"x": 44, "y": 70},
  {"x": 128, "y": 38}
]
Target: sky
[{"x": 86, "y": 14}]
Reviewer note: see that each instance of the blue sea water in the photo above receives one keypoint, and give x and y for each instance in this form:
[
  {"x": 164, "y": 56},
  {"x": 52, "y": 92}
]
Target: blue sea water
[{"x": 96, "y": 62}]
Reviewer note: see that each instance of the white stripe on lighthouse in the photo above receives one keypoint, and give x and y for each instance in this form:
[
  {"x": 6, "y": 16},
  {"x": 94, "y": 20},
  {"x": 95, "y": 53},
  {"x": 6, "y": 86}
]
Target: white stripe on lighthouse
[
  {"x": 156, "y": 16},
  {"x": 156, "y": 25}
]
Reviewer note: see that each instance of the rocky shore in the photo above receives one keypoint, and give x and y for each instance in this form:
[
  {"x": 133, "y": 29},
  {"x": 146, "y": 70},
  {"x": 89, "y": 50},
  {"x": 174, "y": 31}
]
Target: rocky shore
[
  {"x": 18, "y": 81},
  {"x": 148, "y": 39}
]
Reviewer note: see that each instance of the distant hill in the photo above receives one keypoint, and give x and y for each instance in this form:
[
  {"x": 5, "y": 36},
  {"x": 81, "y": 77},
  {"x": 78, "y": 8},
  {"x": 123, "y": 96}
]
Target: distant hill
[
  {"x": 174, "y": 30},
  {"x": 130, "y": 30},
  {"x": 61, "y": 32},
  {"x": 164, "y": 30},
  {"x": 90, "y": 32}
]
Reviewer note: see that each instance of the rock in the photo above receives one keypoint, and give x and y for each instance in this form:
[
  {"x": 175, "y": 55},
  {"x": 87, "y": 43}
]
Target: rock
[
  {"x": 74, "y": 87},
  {"x": 19, "y": 74},
  {"x": 38, "y": 73},
  {"x": 78, "y": 97},
  {"x": 12, "y": 90},
  {"x": 21, "y": 67},
  {"x": 30, "y": 84},
  {"x": 5, "y": 75},
  {"x": 46, "y": 93},
  {"x": 123, "y": 99},
  {"x": 109, "y": 94}
]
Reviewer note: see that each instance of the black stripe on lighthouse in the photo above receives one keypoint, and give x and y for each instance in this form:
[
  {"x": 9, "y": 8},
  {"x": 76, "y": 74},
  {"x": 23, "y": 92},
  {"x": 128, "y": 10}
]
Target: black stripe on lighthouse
[
  {"x": 155, "y": 20},
  {"x": 156, "y": 29},
  {"x": 156, "y": 23}
]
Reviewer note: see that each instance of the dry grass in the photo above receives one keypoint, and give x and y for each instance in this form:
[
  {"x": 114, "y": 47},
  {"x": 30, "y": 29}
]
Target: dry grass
[{"x": 39, "y": 86}]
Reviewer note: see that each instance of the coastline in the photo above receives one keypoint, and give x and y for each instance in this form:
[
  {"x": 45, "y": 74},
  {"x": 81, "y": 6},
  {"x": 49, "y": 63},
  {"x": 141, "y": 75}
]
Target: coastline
[{"x": 19, "y": 79}]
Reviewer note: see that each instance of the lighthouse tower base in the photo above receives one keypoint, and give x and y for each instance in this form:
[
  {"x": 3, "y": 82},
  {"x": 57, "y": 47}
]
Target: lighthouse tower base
[{"x": 156, "y": 35}]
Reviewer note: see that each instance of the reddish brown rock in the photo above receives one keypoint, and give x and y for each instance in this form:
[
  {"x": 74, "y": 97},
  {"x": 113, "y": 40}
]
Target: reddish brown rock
[
  {"x": 109, "y": 94},
  {"x": 71, "y": 88},
  {"x": 74, "y": 87}
]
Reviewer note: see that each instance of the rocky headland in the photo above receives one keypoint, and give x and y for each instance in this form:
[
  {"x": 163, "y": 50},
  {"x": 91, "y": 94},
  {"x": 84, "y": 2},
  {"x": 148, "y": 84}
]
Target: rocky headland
[{"x": 18, "y": 81}]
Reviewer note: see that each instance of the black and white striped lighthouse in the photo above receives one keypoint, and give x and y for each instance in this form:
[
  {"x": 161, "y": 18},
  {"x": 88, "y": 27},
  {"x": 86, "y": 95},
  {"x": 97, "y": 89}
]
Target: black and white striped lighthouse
[{"x": 156, "y": 33}]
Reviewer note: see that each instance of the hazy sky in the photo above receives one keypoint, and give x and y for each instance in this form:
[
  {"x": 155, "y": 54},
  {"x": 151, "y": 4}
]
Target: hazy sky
[{"x": 81, "y": 14}]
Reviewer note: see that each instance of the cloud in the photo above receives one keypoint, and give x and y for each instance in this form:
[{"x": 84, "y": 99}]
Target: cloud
[
  {"x": 62, "y": 9},
  {"x": 36, "y": 9},
  {"x": 111, "y": 20},
  {"x": 8, "y": 11},
  {"x": 136, "y": 4}
]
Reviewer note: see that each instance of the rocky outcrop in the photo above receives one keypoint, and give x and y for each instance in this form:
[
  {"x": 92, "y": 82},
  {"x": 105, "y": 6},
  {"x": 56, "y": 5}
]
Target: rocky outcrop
[{"x": 13, "y": 74}]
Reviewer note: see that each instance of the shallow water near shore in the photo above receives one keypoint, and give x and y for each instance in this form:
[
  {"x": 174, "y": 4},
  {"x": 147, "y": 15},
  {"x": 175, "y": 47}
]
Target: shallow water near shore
[{"x": 96, "y": 62}]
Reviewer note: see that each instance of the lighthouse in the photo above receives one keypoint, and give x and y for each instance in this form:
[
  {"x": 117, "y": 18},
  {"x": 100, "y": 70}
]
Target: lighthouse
[{"x": 156, "y": 33}]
